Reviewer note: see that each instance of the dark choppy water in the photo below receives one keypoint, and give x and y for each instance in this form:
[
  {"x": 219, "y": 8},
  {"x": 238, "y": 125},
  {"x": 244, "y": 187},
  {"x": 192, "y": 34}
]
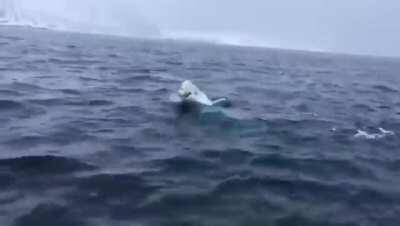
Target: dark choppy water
[{"x": 89, "y": 137}]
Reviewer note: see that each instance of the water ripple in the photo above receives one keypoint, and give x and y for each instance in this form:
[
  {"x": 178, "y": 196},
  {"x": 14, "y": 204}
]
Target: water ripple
[{"x": 88, "y": 135}]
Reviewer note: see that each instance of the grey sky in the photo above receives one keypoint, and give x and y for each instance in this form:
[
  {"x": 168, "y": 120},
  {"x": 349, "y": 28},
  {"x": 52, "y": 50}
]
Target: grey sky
[{"x": 352, "y": 26}]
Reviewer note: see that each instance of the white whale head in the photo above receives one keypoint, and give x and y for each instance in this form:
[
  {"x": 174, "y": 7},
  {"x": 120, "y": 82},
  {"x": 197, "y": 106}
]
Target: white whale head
[{"x": 190, "y": 92}]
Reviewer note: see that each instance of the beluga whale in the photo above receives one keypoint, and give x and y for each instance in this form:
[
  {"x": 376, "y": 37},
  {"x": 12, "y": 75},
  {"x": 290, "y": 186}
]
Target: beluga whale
[{"x": 190, "y": 93}]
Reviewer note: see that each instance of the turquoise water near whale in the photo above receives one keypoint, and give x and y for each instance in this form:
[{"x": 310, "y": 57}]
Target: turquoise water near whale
[{"x": 88, "y": 135}]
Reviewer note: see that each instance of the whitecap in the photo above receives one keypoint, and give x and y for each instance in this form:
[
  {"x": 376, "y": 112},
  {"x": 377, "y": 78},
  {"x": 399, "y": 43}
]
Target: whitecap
[{"x": 373, "y": 136}]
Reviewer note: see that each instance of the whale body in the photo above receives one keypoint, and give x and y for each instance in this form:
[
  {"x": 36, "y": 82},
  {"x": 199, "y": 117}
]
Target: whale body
[{"x": 189, "y": 92}]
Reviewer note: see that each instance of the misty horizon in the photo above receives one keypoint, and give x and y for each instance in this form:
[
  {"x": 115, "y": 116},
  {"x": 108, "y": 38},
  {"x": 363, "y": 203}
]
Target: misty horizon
[{"x": 357, "y": 27}]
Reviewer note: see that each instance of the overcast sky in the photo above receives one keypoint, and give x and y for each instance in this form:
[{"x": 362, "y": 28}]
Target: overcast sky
[{"x": 351, "y": 26}]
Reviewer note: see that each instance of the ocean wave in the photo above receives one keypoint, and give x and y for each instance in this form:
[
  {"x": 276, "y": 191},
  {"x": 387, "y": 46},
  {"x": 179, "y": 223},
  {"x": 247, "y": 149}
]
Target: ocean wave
[
  {"x": 39, "y": 165},
  {"x": 320, "y": 168},
  {"x": 9, "y": 105},
  {"x": 97, "y": 142}
]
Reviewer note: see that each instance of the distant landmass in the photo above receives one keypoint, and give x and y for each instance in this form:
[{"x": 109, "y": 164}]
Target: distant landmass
[
  {"x": 9, "y": 13},
  {"x": 13, "y": 14}
]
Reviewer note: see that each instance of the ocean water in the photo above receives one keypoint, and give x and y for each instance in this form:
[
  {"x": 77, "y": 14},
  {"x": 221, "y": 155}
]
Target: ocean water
[{"x": 89, "y": 137}]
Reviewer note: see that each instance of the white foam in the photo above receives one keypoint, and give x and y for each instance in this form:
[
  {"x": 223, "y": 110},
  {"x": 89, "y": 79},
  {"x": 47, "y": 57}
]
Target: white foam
[
  {"x": 387, "y": 132},
  {"x": 373, "y": 136}
]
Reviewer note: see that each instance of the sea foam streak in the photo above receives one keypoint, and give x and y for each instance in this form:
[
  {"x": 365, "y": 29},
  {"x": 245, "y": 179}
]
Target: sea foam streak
[{"x": 373, "y": 136}]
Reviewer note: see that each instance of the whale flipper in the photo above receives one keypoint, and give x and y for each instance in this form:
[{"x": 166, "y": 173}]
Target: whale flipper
[{"x": 223, "y": 102}]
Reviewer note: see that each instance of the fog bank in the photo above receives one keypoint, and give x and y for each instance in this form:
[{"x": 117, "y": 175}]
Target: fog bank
[{"x": 357, "y": 26}]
